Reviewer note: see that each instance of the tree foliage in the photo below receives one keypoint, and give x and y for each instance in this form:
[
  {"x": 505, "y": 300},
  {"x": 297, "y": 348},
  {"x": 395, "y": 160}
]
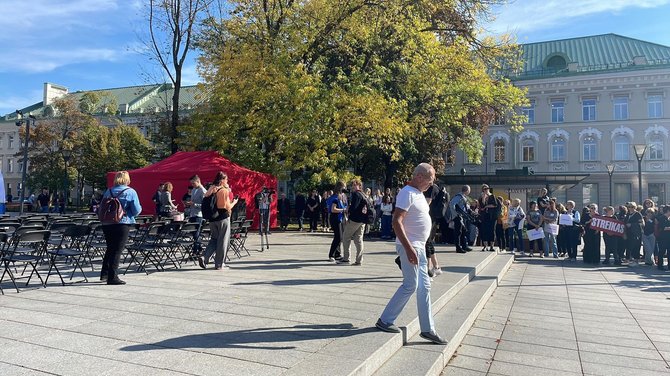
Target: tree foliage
[
  {"x": 95, "y": 149},
  {"x": 325, "y": 86}
]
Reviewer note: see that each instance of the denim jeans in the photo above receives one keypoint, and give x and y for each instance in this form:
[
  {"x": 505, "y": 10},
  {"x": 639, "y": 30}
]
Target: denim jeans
[
  {"x": 415, "y": 278},
  {"x": 550, "y": 244},
  {"x": 386, "y": 226},
  {"x": 517, "y": 243},
  {"x": 649, "y": 246}
]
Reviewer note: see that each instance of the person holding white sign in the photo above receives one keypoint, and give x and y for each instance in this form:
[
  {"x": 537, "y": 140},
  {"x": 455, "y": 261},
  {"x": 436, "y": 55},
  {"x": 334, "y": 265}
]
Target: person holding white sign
[
  {"x": 515, "y": 216},
  {"x": 549, "y": 218},
  {"x": 574, "y": 231},
  {"x": 534, "y": 222}
]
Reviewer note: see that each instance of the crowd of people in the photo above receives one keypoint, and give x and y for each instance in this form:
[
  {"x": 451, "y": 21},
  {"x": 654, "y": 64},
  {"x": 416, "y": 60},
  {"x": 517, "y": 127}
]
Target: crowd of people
[{"x": 556, "y": 229}]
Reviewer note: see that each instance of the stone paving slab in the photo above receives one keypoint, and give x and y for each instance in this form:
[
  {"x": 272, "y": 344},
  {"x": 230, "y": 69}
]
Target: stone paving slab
[
  {"x": 571, "y": 319},
  {"x": 287, "y": 310}
]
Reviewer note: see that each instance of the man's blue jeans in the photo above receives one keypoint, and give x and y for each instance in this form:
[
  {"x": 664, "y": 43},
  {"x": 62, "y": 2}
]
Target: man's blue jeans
[{"x": 415, "y": 278}]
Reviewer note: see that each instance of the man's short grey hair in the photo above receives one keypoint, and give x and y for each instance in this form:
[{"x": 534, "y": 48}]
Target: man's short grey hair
[
  {"x": 422, "y": 169},
  {"x": 465, "y": 188}
]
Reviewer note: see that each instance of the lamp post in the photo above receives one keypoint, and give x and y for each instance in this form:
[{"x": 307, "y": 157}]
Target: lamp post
[
  {"x": 610, "y": 171},
  {"x": 639, "y": 149},
  {"x": 67, "y": 153},
  {"x": 24, "y": 163}
]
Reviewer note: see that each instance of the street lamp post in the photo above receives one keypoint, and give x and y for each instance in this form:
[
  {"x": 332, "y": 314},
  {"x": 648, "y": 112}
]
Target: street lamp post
[
  {"x": 67, "y": 153},
  {"x": 639, "y": 149},
  {"x": 24, "y": 163},
  {"x": 610, "y": 171}
]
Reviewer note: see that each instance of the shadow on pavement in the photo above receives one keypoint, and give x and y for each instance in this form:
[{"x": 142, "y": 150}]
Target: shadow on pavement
[
  {"x": 321, "y": 281},
  {"x": 261, "y": 338}
]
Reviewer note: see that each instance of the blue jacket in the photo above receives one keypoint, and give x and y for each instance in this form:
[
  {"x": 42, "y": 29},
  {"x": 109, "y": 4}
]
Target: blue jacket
[{"x": 129, "y": 200}]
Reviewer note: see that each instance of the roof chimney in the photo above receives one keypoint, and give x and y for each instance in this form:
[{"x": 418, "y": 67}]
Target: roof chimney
[{"x": 51, "y": 92}]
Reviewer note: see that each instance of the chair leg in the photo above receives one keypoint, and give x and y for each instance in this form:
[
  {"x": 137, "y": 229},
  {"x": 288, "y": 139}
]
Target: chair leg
[{"x": 11, "y": 276}]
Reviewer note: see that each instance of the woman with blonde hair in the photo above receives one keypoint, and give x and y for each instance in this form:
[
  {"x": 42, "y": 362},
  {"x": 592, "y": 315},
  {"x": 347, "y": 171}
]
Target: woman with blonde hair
[{"x": 116, "y": 234}]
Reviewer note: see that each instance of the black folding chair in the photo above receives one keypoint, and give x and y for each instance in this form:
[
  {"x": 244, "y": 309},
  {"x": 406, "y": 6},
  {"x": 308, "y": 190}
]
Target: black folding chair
[
  {"x": 71, "y": 247},
  {"x": 29, "y": 248}
]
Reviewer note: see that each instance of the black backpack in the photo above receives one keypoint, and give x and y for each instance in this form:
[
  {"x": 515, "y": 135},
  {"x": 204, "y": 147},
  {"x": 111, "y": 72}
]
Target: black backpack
[
  {"x": 209, "y": 210},
  {"x": 368, "y": 210}
]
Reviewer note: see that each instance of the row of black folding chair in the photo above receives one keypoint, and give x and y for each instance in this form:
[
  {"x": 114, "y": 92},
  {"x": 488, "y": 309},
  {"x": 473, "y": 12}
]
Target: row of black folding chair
[
  {"x": 24, "y": 247},
  {"x": 71, "y": 248}
]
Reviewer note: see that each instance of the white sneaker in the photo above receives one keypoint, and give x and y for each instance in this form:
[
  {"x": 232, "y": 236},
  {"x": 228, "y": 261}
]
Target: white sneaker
[
  {"x": 437, "y": 271},
  {"x": 523, "y": 254}
]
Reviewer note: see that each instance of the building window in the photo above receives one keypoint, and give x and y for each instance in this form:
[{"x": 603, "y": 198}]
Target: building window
[
  {"x": 622, "y": 193},
  {"x": 10, "y": 165},
  {"x": 589, "y": 149},
  {"x": 558, "y": 149},
  {"x": 621, "y": 148},
  {"x": 655, "y": 106},
  {"x": 10, "y": 142},
  {"x": 620, "y": 108},
  {"x": 657, "y": 193},
  {"x": 528, "y": 150},
  {"x": 656, "y": 147},
  {"x": 557, "y": 107},
  {"x": 499, "y": 151},
  {"x": 529, "y": 112},
  {"x": 589, "y": 110},
  {"x": 589, "y": 194}
]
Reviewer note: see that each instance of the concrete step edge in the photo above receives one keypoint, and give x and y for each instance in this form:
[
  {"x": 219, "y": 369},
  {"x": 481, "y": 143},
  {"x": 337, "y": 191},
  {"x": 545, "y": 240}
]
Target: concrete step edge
[
  {"x": 395, "y": 342},
  {"x": 434, "y": 358}
]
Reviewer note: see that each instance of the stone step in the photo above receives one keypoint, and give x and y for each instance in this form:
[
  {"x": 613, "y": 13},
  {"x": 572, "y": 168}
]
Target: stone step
[
  {"x": 417, "y": 356},
  {"x": 366, "y": 351}
]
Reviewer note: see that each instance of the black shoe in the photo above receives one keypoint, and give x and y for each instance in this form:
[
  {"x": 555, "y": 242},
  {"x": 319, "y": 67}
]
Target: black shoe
[
  {"x": 201, "y": 262},
  {"x": 467, "y": 249},
  {"x": 484, "y": 249},
  {"x": 433, "y": 337},
  {"x": 397, "y": 261},
  {"x": 116, "y": 281},
  {"x": 388, "y": 328},
  {"x": 606, "y": 262},
  {"x": 491, "y": 249},
  {"x": 458, "y": 250},
  {"x": 430, "y": 273}
]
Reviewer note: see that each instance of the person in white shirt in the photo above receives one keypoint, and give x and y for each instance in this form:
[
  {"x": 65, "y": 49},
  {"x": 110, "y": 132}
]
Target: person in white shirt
[
  {"x": 412, "y": 225},
  {"x": 515, "y": 217}
]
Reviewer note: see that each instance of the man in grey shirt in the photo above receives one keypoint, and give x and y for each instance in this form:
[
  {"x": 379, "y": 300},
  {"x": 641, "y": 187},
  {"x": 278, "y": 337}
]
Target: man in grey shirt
[{"x": 197, "y": 194}]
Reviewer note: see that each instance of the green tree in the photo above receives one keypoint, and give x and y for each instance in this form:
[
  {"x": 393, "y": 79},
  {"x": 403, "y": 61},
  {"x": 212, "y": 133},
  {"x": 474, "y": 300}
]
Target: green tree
[{"x": 327, "y": 86}]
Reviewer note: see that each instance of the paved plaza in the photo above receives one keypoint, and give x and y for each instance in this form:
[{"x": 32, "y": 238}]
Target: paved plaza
[
  {"x": 288, "y": 311},
  {"x": 552, "y": 317}
]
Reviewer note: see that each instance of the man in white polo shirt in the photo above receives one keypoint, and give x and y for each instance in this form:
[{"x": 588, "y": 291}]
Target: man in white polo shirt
[{"x": 412, "y": 225}]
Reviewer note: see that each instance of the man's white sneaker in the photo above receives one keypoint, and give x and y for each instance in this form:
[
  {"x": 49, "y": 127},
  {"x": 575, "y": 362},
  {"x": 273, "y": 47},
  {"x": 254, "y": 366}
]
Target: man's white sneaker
[{"x": 437, "y": 271}]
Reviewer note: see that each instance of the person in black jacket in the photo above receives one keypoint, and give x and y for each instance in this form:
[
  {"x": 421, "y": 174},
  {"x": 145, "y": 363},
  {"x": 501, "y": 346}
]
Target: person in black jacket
[
  {"x": 634, "y": 225},
  {"x": 300, "y": 206},
  {"x": 313, "y": 210},
  {"x": 284, "y": 209},
  {"x": 354, "y": 227},
  {"x": 663, "y": 239}
]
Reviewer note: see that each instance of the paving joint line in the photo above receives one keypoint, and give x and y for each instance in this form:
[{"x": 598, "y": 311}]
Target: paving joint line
[
  {"x": 32, "y": 369},
  {"x": 667, "y": 364},
  {"x": 488, "y": 371},
  {"x": 572, "y": 317}
]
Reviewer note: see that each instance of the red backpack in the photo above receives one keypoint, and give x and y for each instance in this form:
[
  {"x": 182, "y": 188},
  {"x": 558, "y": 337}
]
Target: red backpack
[{"x": 110, "y": 210}]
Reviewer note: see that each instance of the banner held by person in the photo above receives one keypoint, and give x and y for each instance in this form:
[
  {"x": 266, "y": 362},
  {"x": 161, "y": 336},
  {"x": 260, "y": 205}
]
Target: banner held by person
[{"x": 608, "y": 225}]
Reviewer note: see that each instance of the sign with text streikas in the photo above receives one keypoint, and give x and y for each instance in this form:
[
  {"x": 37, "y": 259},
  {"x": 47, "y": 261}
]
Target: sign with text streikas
[{"x": 608, "y": 225}]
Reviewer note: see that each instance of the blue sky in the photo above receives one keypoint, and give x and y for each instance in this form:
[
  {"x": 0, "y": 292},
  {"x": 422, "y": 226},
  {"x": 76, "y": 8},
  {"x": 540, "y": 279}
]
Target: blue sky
[{"x": 94, "y": 44}]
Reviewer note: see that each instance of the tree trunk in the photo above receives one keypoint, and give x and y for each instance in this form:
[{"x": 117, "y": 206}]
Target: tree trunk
[{"x": 174, "y": 122}]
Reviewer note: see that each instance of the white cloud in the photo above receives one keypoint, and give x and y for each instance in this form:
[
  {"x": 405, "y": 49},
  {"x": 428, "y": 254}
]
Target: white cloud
[
  {"x": 24, "y": 14},
  {"x": 533, "y": 15},
  {"x": 35, "y": 61}
]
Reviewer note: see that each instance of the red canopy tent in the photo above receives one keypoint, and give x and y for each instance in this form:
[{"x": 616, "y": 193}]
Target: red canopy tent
[{"x": 178, "y": 169}]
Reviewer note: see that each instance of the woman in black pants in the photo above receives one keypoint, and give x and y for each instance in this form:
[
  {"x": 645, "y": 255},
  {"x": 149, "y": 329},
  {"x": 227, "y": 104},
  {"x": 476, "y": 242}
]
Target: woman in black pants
[
  {"x": 337, "y": 206},
  {"x": 116, "y": 232}
]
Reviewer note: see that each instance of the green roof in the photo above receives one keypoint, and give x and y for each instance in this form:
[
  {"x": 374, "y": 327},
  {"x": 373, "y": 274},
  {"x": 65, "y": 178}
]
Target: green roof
[
  {"x": 130, "y": 99},
  {"x": 598, "y": 53}
]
